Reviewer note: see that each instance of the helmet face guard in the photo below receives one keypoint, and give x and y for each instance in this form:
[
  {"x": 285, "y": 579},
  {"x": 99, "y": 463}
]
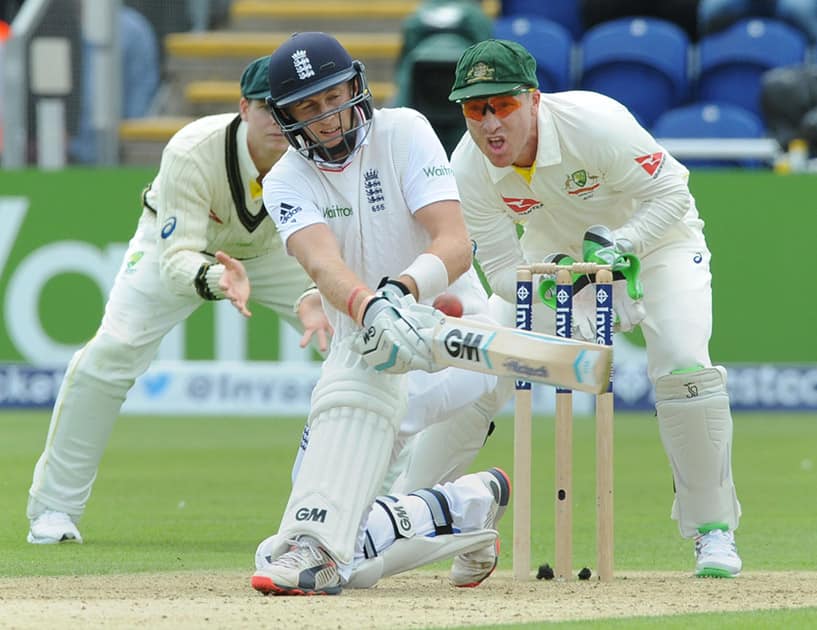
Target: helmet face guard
[{"x": 308, "y": 64}]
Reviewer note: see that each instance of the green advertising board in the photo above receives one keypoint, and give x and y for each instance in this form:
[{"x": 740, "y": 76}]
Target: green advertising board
[{"x": 63, "y": 235}]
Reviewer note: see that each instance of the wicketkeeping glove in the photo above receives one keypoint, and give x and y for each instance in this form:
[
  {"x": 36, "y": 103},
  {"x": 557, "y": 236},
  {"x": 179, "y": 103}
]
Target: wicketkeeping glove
[
  {"x": 547, "y": 286},
  {"x": 600, "y": 247}
]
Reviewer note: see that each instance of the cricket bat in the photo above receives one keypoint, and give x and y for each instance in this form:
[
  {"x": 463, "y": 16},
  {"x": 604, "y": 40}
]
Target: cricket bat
[{"x": 522, "y": 354}]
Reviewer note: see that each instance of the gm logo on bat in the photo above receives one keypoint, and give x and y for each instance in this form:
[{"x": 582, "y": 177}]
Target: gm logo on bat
[{"x": 463, "y": 345}]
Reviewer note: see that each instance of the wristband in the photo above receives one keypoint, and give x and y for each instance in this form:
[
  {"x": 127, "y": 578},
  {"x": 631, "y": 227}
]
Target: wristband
[
  {"x": 207, "y": 279},
  {"x": 430, "y": 275},
  {"x": 351, "y": 300}
]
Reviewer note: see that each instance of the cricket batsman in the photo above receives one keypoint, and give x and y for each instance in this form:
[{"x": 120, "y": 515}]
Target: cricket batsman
[{"x": 367, "y": 203}]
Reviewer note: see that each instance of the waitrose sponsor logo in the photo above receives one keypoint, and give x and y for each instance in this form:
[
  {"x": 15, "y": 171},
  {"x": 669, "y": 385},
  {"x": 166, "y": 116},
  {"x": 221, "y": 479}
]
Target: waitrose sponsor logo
[
  {"x": 438, "y": 171},
  {"x": 337, "y": 212}
]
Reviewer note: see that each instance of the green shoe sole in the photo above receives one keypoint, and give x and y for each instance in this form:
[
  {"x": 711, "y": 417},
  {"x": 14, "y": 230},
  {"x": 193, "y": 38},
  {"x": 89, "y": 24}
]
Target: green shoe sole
[{"x": 714, "y": 573}]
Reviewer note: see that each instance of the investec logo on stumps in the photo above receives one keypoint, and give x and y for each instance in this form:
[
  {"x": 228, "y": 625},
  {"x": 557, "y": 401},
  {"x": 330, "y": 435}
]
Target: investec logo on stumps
[
  {"x": 564, "y": 305},
  {"x": 604, "y": 315},
  {"x": 524, "y": 316},
  {"x": 523, "y": 305},
  {"x": 463, "y": 345}
]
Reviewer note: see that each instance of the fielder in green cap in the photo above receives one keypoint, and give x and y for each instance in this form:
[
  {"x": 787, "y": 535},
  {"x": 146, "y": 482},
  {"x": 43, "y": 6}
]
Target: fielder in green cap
[
  {"x": 589, "y": 183},
  {"x": 254, "y": 82},
  {"x": 493, "y": 67}
]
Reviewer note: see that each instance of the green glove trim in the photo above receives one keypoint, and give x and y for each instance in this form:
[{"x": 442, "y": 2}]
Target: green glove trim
[
  {"x": 630, "y": 272},
  {"x": 600, "y": 248},
  {"x": 547, "y": 287}
]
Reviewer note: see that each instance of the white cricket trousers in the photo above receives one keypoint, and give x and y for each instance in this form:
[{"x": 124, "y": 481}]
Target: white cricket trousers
[{"x": 139, "y": 312}]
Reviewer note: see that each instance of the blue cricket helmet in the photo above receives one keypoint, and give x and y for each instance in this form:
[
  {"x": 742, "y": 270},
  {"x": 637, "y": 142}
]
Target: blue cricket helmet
[{"x": 305, "y": 65}]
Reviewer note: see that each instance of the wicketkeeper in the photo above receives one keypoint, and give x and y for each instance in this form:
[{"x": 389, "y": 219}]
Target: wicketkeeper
[{"x": 588, "y": 182}]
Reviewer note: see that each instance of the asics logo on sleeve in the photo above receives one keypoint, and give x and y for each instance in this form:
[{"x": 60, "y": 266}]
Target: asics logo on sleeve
[
  {"x": 169, "y": 227},
  {"x": 520, "y": 205},
  {"x": 651, "y": 163}
]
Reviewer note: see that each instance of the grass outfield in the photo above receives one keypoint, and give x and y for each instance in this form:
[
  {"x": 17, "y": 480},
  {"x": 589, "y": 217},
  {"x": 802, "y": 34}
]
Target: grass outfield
[{"x": 178, "y": 494}]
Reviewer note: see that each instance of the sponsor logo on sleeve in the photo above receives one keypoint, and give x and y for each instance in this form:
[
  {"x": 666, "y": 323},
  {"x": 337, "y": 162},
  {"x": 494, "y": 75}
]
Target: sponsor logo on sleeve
[
  {"x": 130, "y": 265},
  {"x": 651, "y": 163},
  {"x": 169, "y": 227},
  {"x": 287, "y": 212},
  {"x": 337, "y": 212},
  {"x": 438, "y": 171},
  {"x": 520, "y": 205}
]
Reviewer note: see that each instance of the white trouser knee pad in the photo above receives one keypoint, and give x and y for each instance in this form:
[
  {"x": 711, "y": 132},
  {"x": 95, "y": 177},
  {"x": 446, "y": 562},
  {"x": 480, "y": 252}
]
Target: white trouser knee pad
[{"x": 695, "y": 424}]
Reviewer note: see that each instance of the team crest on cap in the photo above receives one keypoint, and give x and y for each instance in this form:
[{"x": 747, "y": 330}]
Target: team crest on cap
[
  {"x": 480, "y": 71},
  {"x": 302, "y": 64}
]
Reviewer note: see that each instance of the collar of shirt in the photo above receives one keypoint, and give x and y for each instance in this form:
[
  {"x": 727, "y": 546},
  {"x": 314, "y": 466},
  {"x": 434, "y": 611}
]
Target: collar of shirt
[
  {"x": 547, "y": 150},
  {"x": 249, "y": 172}
]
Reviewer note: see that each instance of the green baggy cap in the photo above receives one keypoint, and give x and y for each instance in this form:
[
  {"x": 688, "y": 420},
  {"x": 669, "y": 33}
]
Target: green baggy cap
[
  {"x": 493, "y": 66},
  {"x": 254, "y": 80}
]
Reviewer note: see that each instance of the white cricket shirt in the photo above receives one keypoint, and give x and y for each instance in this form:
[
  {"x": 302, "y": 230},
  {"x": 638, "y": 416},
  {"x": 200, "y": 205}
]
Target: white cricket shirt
[
  {"x": 594, "y": 165},
  {"x": 369, "y": 205},
  {"x": 207, "y": 198}
]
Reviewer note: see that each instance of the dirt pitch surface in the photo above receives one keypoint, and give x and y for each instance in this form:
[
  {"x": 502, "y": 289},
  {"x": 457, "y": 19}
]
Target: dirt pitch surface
[{"x": 419, "y": 599}]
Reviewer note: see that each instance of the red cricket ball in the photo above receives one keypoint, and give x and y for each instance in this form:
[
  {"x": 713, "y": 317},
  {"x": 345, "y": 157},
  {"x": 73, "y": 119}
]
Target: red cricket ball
[{"x": 449, "y": 304}]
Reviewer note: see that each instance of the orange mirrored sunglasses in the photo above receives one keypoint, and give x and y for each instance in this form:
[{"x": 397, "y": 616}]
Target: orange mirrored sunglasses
[{"x": 501, "y": 106}]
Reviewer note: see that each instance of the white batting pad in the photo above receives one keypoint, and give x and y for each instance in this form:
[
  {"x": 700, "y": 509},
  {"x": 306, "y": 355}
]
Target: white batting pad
[
  {"x": 695, "y": 425},
  {"x": 353, "y": 425}
]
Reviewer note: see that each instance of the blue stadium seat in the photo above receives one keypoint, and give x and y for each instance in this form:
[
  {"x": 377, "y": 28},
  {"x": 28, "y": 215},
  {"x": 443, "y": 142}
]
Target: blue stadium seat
[
  {"x": 710, "y": 120},
  {"x": 549, "y": 43},
  {"x": 641, "y": 62},
  {"x": 732, "y": 61},
  {"x": 564, "y": 12}
]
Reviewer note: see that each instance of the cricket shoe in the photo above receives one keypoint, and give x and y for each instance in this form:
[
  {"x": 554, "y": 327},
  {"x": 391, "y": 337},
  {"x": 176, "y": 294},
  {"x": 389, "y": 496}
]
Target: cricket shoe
[
  {"x": 51, "y": 527},
  {"x": 306, "y": 569},
  {"x": 715, "y": 552},
  {"x": 472, "y": 568}
]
